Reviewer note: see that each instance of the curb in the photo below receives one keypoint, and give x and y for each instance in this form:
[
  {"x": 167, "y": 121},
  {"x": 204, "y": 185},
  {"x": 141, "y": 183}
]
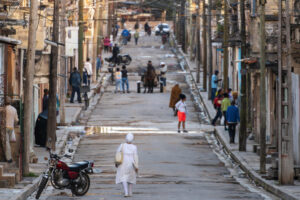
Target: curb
[
  {"x": 28, "y": 190},
  {"x": 253, "y": 175}
]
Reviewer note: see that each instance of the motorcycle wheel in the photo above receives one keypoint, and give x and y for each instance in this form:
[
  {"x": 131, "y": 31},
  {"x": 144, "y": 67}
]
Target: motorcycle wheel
[
  {"x": 128, "y": 61},
  {"x": 83, "y": 187},
  {"x": 41, "y": 187}
]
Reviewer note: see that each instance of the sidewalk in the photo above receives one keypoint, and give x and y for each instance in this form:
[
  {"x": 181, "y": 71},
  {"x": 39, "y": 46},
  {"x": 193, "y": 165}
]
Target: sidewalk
[
  {"x": 67, "y": 137},
  {"x": 248, "y": 161}
]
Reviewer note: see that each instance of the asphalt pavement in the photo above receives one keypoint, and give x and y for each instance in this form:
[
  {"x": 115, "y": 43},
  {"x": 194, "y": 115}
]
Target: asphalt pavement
[{"x": 172, "y": 166}]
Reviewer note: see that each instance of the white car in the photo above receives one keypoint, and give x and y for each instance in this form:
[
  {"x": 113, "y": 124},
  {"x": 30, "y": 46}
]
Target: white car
[{"x": 159, "y": 29}]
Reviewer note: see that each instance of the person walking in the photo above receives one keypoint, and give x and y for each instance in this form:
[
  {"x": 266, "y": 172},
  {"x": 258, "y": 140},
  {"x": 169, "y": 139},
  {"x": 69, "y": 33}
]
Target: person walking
[
  {"x": 224, "y": 105},
  {"x": 125, "y": 36},
  {"x": 136, "y": 37},
  {"x": 11, "y": 119},
  {"x": 89, "y": 70},
  {"x": 136, "y": 25},
  {"x": 75, "y": 81},
  {"x": 125, "y": 79},
  {"x": 128, "y": 169},
  {"x": 118, "y": 78},
  {"x": 175, "y": 97},
  {"x": 214, "y": 84},
  {"x": 217, "y": 105},
  {"x": 98, "y": 66},
  {"x": 233, "y": 118},
  {"x": 181, "y": 107}
]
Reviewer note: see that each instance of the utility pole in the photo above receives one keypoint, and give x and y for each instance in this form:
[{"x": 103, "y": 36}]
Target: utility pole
[
  {"x": 51, "y": 122},
  {"x": 182, "y": 18},
  {"x": 285, "y": 112},
  {"x": 96, "y": 36},
  {"x": 225, "y": 46},
  {"x": 63, "y": 65},
  {"x": 243, "y": 126},
  {"x": 204, "y": 36},
  {"x": 210, "y": 58},
  {"x": 198, "y": 43},
  {"x": 80, "y": 38},
  {"x": 262, "y": 88},
  {"x": 110, "y": 14},
  {"x": 28, "y": 86}
]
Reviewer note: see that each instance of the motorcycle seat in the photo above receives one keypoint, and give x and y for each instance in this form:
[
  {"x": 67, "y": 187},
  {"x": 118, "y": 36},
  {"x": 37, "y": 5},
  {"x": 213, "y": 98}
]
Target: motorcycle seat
[{"x": 78, "y": 166}]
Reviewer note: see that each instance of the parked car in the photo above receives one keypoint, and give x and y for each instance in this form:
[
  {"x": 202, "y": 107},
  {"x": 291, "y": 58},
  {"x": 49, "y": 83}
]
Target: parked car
[{"x": 159, "y": 29}]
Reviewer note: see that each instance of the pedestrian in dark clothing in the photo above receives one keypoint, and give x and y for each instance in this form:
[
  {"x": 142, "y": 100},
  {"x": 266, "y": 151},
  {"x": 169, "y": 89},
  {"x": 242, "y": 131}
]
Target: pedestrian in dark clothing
[
  {"x": 45, "y": 99},
  {"x": 75, "y": 82},
  {"x": 233, "y": 118},
  {"x": 217, "y": 105},
  {"x": 146, "y": 27},
  {"x": 136, "y": 26},
  {"x": 149, "y": 78},
  {"x": 125, "y": 79},
  {"x": 115, "y": 53}
]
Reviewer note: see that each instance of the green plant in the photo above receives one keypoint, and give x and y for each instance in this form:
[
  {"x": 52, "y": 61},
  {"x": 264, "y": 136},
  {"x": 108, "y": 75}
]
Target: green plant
[{"x": 30, "y": 174}]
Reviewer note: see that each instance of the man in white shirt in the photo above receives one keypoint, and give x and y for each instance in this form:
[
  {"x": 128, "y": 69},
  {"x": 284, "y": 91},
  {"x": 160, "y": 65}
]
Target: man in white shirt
[
  {"x": 11, "y": 119},
  {"x": 163, "y": 72},
  {"x": 89, "y": 69}
]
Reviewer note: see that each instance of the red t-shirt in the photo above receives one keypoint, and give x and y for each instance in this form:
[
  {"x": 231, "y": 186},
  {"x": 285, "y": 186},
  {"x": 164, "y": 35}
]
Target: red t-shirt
[{"x": 217, "y": 102}]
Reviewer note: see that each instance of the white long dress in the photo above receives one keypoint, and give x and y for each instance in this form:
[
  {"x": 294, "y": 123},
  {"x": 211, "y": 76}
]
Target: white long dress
[{"x": 126, "y": 171}]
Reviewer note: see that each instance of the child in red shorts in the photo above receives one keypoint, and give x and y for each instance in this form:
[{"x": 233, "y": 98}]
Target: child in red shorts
[{"x": 181, "y": 107}]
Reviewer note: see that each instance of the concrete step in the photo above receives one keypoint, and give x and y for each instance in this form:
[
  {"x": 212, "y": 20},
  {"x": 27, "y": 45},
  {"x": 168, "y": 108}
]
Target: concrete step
[
  {"x": 15, "y": 171},
  {"x": 9, "y": 175},
  {"x": 10, "y": 178}
]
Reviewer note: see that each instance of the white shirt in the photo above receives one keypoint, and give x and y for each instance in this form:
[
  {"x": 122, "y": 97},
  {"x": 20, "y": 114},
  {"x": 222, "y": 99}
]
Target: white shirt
[
  {"x": 11, "y": 116},
  {"x": 88, "y": 68},
  {"x": 181, "y": 106},
  {"x": 163, "y": 70}
]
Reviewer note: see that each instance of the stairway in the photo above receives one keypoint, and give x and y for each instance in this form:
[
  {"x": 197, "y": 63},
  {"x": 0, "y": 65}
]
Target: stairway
[{"x": 9, "y": 175}]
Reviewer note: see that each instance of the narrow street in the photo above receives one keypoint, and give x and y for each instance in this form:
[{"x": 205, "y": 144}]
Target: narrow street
[{"x": 172, "y": 166}]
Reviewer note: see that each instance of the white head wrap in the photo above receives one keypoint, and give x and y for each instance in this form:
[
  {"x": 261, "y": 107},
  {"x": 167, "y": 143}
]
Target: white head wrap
[{"x": 129, "y": 137}]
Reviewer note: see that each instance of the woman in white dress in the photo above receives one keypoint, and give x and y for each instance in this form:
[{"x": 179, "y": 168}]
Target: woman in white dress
[{"x": 127, "y": 171}]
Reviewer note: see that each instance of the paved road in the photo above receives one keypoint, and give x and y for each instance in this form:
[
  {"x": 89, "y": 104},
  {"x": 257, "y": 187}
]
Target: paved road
[{"x": 173, "y": 166}]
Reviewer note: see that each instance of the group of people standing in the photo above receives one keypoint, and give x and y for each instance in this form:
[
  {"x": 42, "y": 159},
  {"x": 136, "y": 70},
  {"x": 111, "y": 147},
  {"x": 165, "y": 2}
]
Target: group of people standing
[
  {"x": 121, "y": 78},
  {"x": 225, "y": 104}
]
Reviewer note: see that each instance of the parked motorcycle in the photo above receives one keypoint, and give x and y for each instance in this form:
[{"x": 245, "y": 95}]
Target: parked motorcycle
[
  {"x": 62, "y": 176},
  {"x": 121, "y": 59}
]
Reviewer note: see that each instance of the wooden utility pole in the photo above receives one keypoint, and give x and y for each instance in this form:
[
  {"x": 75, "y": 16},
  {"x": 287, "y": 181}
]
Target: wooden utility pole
[
  {"x": 182, "y": 18},
  {"x": 110, "y": 16},
  {"x": 262, "y": 88},
  {"x": 225, "y": 46},
  {"x": 198, "y": 43},
  {"x": 210, "y": 56},
  {"x": 243, "y": 112},
  {"x": 28, "y": 86},
  {"x": 96, "y": 36},
  {"x": 63, "y": 65},
  {"x": 80, "y": 38},
  {"x": 51, "y": 122},
  {"x": 284, "y": 97},
  {"x": 204, "y": 36}
]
